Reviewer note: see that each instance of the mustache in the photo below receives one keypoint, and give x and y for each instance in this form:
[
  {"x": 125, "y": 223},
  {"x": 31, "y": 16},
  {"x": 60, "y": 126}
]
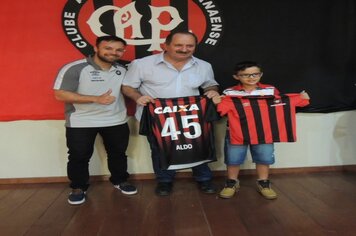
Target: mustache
[{"x": 181, "y": 52}]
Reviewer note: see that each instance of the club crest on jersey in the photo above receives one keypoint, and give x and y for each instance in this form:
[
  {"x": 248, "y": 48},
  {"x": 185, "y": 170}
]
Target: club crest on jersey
[
  {"x": 278, "y": 102},
  {"x": 179, "y": 108},
  {"x": 143, "y": 24}
]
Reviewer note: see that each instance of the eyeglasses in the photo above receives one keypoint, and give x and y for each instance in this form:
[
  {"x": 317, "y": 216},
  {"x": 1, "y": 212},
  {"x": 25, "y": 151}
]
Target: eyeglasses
[{"x": 254, "y": 75}]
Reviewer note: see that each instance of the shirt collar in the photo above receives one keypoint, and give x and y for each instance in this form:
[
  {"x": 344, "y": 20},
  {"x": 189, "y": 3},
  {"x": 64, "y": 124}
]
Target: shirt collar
[
  {"x": 91, "y": 62},
  {"x": 240, "y": 88}
]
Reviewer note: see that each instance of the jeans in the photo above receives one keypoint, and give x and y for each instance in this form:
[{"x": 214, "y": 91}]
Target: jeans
[
  {"x": 236, "y": 154},
  {"x": 200, "y": 173},
  {"x": 80, "y": 143}
]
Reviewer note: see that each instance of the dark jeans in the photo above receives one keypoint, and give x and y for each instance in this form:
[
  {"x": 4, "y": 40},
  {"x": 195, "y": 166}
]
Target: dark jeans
[
  {"x": 200, "y": 173},
  {"x": 80, "y": 143}
]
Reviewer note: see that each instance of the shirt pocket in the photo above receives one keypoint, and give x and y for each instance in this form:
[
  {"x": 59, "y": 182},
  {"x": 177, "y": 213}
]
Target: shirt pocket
[{"x": 194, "y": 81}]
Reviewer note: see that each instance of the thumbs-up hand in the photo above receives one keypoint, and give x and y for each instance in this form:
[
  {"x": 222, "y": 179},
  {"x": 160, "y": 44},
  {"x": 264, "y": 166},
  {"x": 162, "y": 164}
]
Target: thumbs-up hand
[{"x": 106, "y": 98}]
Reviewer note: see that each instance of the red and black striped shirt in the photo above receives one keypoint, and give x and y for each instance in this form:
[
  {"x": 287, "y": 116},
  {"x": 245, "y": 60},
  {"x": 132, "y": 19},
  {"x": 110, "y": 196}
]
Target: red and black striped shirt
[
  {"x": 181, "y": 129},
  {"x": 259, "y": 120}
]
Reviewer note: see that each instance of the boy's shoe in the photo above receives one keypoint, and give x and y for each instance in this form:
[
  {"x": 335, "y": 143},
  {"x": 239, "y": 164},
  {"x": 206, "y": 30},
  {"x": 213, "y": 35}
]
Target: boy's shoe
[
  {"x": 231, "y": 187},
  {"x": 264, "y": 187},
  {"x": 126, "y": 188},
  {"x": 76, "y": 197}
]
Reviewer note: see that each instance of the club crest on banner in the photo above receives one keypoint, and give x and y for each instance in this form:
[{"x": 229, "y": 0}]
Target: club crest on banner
[{"x": 143, "y": 24}]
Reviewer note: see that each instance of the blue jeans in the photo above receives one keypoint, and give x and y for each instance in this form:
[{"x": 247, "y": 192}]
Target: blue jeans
[
  {"x": 200, "y": 173},
  {"x": 80, "y": 143},
  {"x": 236, "y": 154}
]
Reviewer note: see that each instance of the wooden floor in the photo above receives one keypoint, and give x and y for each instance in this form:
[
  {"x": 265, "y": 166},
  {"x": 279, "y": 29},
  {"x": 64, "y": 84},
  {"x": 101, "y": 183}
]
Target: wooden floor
[{"x": 308, "y": 204}]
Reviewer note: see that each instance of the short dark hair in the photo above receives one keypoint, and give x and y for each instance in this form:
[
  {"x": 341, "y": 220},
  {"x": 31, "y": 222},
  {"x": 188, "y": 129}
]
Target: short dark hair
[
  {"x": 170, "y": 36},
  {"x": 110, "y": 38},
  {"x": 246, "y": 64}
]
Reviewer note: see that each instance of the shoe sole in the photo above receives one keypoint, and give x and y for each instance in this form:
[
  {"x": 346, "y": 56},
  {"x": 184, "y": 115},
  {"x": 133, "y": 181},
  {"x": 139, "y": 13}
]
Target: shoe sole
[
  {"x": 128, "y": 193},
  {"x": 266, "y": 197},
  {"x": 124, "y": 192},
  {"x": 76, "y": 202},
  {"x": 162, "y": 194},
  {"x": 226, "y": 197}
]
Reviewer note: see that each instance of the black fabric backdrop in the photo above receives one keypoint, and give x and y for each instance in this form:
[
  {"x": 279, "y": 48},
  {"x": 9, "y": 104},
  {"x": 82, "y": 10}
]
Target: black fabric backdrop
[{"x": 302, "y": 45}]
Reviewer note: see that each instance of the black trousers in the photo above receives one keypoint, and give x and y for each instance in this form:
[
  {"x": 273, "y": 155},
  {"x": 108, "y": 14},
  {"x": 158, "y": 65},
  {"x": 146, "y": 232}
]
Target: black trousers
[{"x": 80, "y": 143}]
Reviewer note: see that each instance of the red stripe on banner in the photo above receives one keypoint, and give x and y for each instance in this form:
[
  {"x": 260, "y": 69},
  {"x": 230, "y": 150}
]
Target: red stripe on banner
[
  {"x": 85, "y": 12},
  {"x": 197, "y": 23},
  {"x": 32, "y": 51}
]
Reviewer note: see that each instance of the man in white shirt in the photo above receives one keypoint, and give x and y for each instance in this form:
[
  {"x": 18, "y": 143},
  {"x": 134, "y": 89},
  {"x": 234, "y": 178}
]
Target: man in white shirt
[{"x": 173, "y": 73}]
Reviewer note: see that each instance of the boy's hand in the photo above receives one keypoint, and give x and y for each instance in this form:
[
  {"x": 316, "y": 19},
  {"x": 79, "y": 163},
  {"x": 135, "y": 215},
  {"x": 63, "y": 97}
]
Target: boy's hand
[{"x": 304, "y": 95}]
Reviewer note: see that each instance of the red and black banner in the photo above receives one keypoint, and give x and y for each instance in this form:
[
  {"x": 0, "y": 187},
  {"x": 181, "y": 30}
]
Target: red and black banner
[{"x": 302, "y": 45}]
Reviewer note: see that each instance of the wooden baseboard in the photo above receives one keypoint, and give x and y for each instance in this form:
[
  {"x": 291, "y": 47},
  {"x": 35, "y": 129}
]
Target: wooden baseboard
[{"x": 148, "y": 176}]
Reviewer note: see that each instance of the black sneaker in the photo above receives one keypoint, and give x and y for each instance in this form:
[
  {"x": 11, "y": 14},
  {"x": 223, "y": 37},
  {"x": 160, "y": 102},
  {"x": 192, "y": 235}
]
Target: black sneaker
[
  {"x": 164, "y": 188},
  {"x": 76, "y": 197},
  {"x": 126, "y": 188},
  {"x": 207, "y": 187}
]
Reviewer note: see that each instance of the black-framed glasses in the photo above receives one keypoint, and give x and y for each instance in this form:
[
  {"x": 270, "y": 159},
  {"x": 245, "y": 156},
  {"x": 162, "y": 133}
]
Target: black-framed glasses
[{"x": 253, "y": 75}]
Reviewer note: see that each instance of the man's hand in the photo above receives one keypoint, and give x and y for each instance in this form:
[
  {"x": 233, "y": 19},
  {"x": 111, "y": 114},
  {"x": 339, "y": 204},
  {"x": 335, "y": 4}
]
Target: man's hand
[
  {"x": 217, "y": 99},
  {"x": 106, "y": 98},
  {"x": 211, "y": 93},
  {"x": 143, "y": 100}
]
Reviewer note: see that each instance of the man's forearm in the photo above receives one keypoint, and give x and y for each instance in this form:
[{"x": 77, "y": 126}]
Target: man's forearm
[
  {"x": 212, "y": 88},
  {"x": 71, "y": 97},
  {"x": 130, "y": 92}
]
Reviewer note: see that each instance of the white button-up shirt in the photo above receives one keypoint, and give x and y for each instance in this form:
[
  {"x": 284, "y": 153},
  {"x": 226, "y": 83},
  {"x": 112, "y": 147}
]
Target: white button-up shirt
[{"x": 154, "y": 76}]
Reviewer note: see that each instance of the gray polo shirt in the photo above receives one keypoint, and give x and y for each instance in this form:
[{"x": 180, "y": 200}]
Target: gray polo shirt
[
  {"x": 86, "y": 78},
  {"x": 154, "y": 76}
]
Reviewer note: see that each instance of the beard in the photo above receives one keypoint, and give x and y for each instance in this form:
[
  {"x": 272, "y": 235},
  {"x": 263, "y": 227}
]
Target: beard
[{"x": 107, "y": 59}]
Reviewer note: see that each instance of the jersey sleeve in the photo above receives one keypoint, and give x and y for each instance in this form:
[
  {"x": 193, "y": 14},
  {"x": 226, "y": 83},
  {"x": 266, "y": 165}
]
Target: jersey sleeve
[
  {"x": 68, "y": 77},
  {"x": 145, "y": 122},
  {"x": 211, "y": 111},
  {"x": 225, "y": 105},
  {"x": 297, "y": 100}
]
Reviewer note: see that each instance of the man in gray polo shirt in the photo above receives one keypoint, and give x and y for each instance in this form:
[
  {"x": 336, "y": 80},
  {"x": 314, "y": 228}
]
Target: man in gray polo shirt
[
  {"x": 173, "y": 73},
  {"x": 90, "y": 89}
]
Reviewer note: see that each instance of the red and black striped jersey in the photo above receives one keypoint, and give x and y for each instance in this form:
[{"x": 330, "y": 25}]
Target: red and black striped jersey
[
  {"x": 259, "y": 120},
  {"x": 182, "y": 130}
]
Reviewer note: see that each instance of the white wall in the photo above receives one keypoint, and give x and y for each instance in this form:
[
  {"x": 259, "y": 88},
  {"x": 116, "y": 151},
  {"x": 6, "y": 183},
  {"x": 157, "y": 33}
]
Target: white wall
[{"x": 30, "y": 149}]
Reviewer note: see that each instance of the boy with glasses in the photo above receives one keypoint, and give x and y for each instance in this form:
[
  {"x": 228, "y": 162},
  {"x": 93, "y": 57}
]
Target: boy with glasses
[{"x": 248, "y": 119}]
